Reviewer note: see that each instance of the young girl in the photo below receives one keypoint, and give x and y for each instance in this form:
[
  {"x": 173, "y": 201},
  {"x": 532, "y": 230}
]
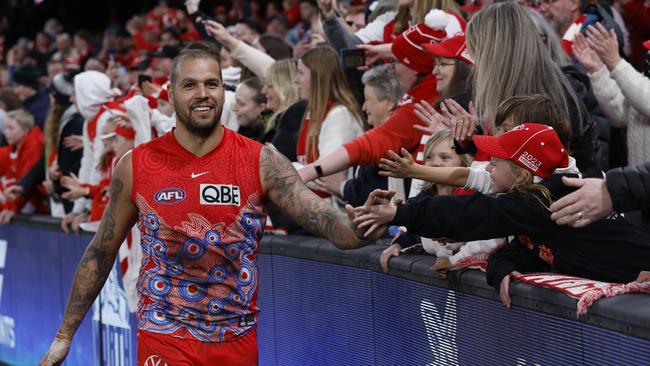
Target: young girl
[
  {"x": 611, "y": 250},
  {"x": 439, "y": 153}
]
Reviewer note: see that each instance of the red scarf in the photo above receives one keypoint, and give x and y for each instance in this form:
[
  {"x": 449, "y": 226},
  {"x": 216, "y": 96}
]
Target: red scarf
[{"x": 301, "y": 147}]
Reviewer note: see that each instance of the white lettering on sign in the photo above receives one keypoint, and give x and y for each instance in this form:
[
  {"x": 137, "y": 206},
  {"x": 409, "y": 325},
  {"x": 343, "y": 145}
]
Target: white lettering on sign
[
  {"x": 441, "y": 331},
  {"x": 7, "y": 331},
  {"x": 7, "y": 324}
]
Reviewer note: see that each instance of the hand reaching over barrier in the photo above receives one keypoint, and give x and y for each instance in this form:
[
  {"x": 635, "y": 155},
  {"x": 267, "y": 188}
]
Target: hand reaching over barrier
[{"x": 378, "y": 211}]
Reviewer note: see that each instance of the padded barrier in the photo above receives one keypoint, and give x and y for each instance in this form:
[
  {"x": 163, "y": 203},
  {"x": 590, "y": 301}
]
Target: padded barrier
[{"x": 324, "y": 306}]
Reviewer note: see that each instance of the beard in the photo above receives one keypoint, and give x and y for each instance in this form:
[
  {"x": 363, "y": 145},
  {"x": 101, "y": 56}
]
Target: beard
[{"x": 195, "y": 126}]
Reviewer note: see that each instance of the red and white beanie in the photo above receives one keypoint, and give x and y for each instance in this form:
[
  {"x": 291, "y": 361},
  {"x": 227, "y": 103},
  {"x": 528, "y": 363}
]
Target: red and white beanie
[{"x": 408, "y": 46}]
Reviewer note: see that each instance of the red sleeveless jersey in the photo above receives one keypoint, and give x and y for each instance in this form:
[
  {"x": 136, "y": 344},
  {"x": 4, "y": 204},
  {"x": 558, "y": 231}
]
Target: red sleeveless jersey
[{"x": 201, "y": 219}]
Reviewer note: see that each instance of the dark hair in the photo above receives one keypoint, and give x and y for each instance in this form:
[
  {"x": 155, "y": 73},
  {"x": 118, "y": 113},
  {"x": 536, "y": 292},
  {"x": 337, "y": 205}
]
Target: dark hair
[
  {"x": 275, "y": 47},
  {"x": 536, "y": 108},
  {"x": 458, "y": 85},
  {"x": 10, "y": 99},
  {"x": 173, "y": 32},
  {"x": 252, "y": 23},
  {"x": 201, "y": 50},
  {"x": 280, "y": 18},
  {"x": 256, "y": 85},
  {"x": 83, "y": 34}
]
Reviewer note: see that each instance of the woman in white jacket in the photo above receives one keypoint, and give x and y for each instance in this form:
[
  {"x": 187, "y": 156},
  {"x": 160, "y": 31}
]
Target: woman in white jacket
[
  {"x": 93, "y": 97},
  {"x": 622, "y": 92},
  {"x": 333, "y": 115}
]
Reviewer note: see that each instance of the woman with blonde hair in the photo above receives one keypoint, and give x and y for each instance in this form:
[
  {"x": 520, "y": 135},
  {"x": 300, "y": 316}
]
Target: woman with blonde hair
[
  {"x": 333, "y": 116},
  {"x": 25, "y": 148},
  {"x": 283, "y": 99},
  {"x": 510, "y": 59}
]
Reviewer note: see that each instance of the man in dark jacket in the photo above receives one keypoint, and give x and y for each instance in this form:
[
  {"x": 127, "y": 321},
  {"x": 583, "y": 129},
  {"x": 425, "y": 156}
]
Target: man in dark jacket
[
  {"x": 623, "y": 190},
  {"x": 35, "y": 101}
]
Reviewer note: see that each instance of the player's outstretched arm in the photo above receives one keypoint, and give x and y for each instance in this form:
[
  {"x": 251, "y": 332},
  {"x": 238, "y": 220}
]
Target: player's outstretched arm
[
  {"x": 285, "y": 189},
  {"x": 97, "y": 261}
]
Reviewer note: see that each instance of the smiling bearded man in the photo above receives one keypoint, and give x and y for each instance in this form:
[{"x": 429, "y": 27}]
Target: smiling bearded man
[{"x": 197, "y": 194}]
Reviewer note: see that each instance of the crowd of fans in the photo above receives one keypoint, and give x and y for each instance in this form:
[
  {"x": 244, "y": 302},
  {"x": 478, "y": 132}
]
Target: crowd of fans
[{"x": 360, "y": 96}]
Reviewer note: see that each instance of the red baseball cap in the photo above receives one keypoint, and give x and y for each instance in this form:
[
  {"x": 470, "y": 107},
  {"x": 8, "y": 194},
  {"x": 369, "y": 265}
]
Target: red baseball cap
[
  {"x": 126, "y": 132},
  {"x": 533, "y": 146},
  {"x": 407, "y": 47},
  {"x": 453, "y": 47}
]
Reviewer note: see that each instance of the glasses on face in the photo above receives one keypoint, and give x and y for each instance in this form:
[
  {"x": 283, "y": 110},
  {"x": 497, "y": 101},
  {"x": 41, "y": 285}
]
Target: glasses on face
[{"x": 438, "y": 63}]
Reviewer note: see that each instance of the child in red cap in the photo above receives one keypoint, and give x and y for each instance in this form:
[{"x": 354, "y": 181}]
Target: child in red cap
[{"x": 520, "y": 210}]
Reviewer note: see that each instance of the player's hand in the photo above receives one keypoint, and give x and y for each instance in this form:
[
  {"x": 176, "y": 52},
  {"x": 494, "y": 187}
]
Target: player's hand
[
  {"x": 400, "y": 167},
  {"x": 58, "y": 351},
  {"x": 387, "y": 254},
  {"x": 377, "y": 212}
]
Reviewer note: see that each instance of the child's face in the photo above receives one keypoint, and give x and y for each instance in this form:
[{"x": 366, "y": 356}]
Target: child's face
[
  {"x": 507, "y": 125},
  {"x": 502, "y": 175},
  {"x": 122, "y": 145},
  {"x": 443, "y": 155},
  {"x": 109, "y": 128}
]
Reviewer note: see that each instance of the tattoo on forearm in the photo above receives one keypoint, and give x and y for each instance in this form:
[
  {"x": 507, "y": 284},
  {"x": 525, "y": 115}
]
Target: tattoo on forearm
[
  {"x": 293, "y": 197},
  {"x": 94, "y": 267}
]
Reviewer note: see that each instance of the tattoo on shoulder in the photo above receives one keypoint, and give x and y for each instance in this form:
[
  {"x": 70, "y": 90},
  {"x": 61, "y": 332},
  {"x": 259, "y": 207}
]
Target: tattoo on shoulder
[{"x": 287, "y": 191}]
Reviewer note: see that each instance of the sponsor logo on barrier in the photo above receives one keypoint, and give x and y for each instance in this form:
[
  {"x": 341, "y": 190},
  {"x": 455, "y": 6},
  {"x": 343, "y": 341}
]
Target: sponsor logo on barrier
[
  {"x": 219, "y": 194},
  {"x": 170, "y": 196},
  {"x": 111, "y": 318},
  {"x": 7, "y": 324},
  {"x": 441, "y": 330}
]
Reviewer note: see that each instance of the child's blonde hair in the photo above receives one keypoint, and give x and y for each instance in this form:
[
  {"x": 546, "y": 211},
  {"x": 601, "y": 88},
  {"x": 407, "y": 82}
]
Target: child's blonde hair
[
  {"x": 435, "y": 140},
  {"x": 528, "y": 188}
]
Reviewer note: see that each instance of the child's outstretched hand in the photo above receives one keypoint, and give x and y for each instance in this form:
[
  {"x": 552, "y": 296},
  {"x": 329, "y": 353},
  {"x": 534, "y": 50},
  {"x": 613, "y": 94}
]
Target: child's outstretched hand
[{"x": 400, "y": 167}]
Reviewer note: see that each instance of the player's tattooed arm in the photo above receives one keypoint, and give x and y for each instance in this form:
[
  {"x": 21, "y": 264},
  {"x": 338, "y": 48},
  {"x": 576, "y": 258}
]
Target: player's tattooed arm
[
  {"x": 98, "y": 259},
  {"x": 285, "y": 189}
]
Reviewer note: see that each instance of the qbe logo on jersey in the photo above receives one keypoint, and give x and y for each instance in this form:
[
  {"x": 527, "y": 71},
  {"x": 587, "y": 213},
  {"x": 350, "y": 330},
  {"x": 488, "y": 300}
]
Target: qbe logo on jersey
[{"x": 220, "y": 194}]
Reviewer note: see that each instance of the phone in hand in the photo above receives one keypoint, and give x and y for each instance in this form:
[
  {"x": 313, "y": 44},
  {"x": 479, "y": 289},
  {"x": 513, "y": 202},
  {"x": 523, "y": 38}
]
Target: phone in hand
[
  {"x": 142, "y": 78},
  {"x": 351, "y": 58}
]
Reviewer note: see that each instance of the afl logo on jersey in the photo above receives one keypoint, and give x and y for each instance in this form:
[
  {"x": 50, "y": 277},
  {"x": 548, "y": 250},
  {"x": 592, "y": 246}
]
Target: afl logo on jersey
[
  {"x": 219, "y": 194},
  {"x": 170, "y": 196}
]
